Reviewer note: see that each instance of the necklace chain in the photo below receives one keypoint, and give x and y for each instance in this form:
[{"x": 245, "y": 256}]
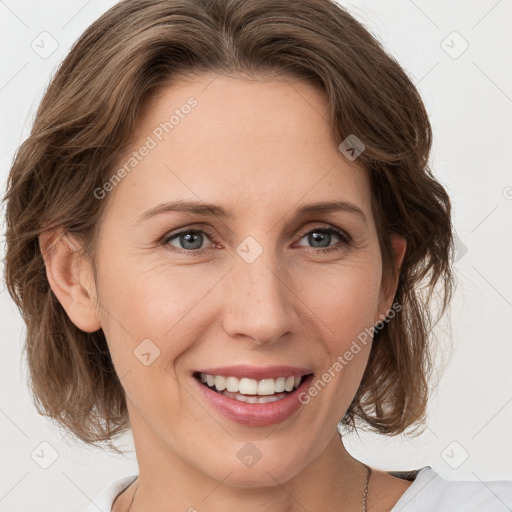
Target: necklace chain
[{"x": 365, "y": 490}]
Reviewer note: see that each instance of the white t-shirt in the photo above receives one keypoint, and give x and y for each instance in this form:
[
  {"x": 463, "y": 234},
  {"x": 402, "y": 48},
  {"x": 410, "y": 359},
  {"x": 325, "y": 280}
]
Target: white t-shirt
[{"x": 428, "y": 493}]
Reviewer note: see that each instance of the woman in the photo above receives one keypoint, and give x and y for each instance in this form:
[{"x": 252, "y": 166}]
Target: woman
[{"x": 217, "y": 231}]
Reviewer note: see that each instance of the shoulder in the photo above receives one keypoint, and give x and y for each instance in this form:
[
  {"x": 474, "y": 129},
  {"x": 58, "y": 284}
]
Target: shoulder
[
  {"x": 104, "y": 500},
  {"x": 429, "y": 491}
]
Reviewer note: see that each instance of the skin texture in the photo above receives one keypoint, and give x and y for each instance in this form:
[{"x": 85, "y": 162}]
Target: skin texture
[{"x": 261, "y": 148}]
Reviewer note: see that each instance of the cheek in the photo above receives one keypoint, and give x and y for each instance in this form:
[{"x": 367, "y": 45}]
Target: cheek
[
  {"x": 345, "y": 297},
  {"x": 160, "y": 303},
  {"x": 347, "y": 311}
]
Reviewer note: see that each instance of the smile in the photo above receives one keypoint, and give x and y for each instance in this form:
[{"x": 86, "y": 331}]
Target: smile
[
  {"x": 253, "y": 396},
  {"x": 251, "y": 390}
]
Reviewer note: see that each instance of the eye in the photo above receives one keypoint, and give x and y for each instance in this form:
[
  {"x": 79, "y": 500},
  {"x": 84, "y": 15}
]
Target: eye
[
  {"x": 190, "y": 240},
  {"x": 321, "y": 237}
]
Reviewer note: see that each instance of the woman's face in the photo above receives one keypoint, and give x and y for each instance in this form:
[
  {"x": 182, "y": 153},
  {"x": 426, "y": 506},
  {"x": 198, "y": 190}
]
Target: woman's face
[{"x": 182, "y": 292}]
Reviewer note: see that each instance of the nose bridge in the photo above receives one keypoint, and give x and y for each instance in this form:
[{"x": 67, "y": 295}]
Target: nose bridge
[{"x": 259, "y": 299}]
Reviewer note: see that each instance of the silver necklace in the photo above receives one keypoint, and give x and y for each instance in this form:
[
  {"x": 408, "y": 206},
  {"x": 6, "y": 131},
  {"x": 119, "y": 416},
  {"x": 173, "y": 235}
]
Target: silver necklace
[{"x": 365, "y": 490}]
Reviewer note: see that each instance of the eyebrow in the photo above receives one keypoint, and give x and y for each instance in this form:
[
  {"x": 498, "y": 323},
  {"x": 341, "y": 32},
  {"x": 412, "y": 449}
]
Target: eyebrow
[{"x": 214, "y": 210}]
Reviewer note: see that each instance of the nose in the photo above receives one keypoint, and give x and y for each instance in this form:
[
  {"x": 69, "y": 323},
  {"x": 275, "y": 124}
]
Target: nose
[{"x": 260, "y": 303}]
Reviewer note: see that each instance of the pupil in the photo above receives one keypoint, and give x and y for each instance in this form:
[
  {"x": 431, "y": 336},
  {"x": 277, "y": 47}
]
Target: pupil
[
  {"x": 191, "y": 238},
  {"x": 319, "y": 237}
]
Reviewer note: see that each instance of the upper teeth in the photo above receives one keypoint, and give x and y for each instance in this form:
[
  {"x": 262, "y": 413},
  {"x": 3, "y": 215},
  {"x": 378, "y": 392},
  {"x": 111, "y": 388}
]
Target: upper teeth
[{"x": 250, "y": 386}]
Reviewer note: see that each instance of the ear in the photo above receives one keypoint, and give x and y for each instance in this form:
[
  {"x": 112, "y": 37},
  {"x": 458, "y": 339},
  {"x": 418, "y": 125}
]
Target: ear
[
  {"x": 389, "y": 285},
  {"x": 70, "y": 279}
]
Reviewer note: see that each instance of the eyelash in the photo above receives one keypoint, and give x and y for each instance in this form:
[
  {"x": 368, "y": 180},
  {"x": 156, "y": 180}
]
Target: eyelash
[{"x": 346, "y": 240}]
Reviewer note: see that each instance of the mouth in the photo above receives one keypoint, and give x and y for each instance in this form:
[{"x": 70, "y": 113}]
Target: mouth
[
  {"x": 252, "y": 391},
  {"x": 253, "y": 395}
]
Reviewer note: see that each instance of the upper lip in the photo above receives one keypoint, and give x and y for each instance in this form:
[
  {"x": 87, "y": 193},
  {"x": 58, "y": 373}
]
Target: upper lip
[{"x": 256, "y": 372}]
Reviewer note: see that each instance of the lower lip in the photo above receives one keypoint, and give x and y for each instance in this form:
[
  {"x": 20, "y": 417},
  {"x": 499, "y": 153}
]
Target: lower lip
[{"x": 255, "y": 414}]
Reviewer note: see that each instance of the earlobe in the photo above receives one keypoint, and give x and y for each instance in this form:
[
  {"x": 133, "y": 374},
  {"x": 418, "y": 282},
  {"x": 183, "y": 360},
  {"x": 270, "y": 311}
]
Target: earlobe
[
  {"x": 70, "y": 282},
  {"x": 389, "y": 285}
]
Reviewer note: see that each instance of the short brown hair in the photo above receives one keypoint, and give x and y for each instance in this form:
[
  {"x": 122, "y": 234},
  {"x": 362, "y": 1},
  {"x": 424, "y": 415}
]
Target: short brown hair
[{"x": 85, "y": 121}]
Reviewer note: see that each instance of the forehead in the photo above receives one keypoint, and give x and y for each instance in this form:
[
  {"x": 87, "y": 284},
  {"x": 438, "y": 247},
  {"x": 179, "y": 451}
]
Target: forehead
[{"x": 253, "y": 145}]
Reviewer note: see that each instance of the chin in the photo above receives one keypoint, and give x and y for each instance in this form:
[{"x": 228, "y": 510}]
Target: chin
[{"x": 265, "y": 472}]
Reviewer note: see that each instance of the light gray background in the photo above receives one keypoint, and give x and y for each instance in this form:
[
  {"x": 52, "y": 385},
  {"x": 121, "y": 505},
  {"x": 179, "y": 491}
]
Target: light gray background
[{"x": 469, "y": 99}]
